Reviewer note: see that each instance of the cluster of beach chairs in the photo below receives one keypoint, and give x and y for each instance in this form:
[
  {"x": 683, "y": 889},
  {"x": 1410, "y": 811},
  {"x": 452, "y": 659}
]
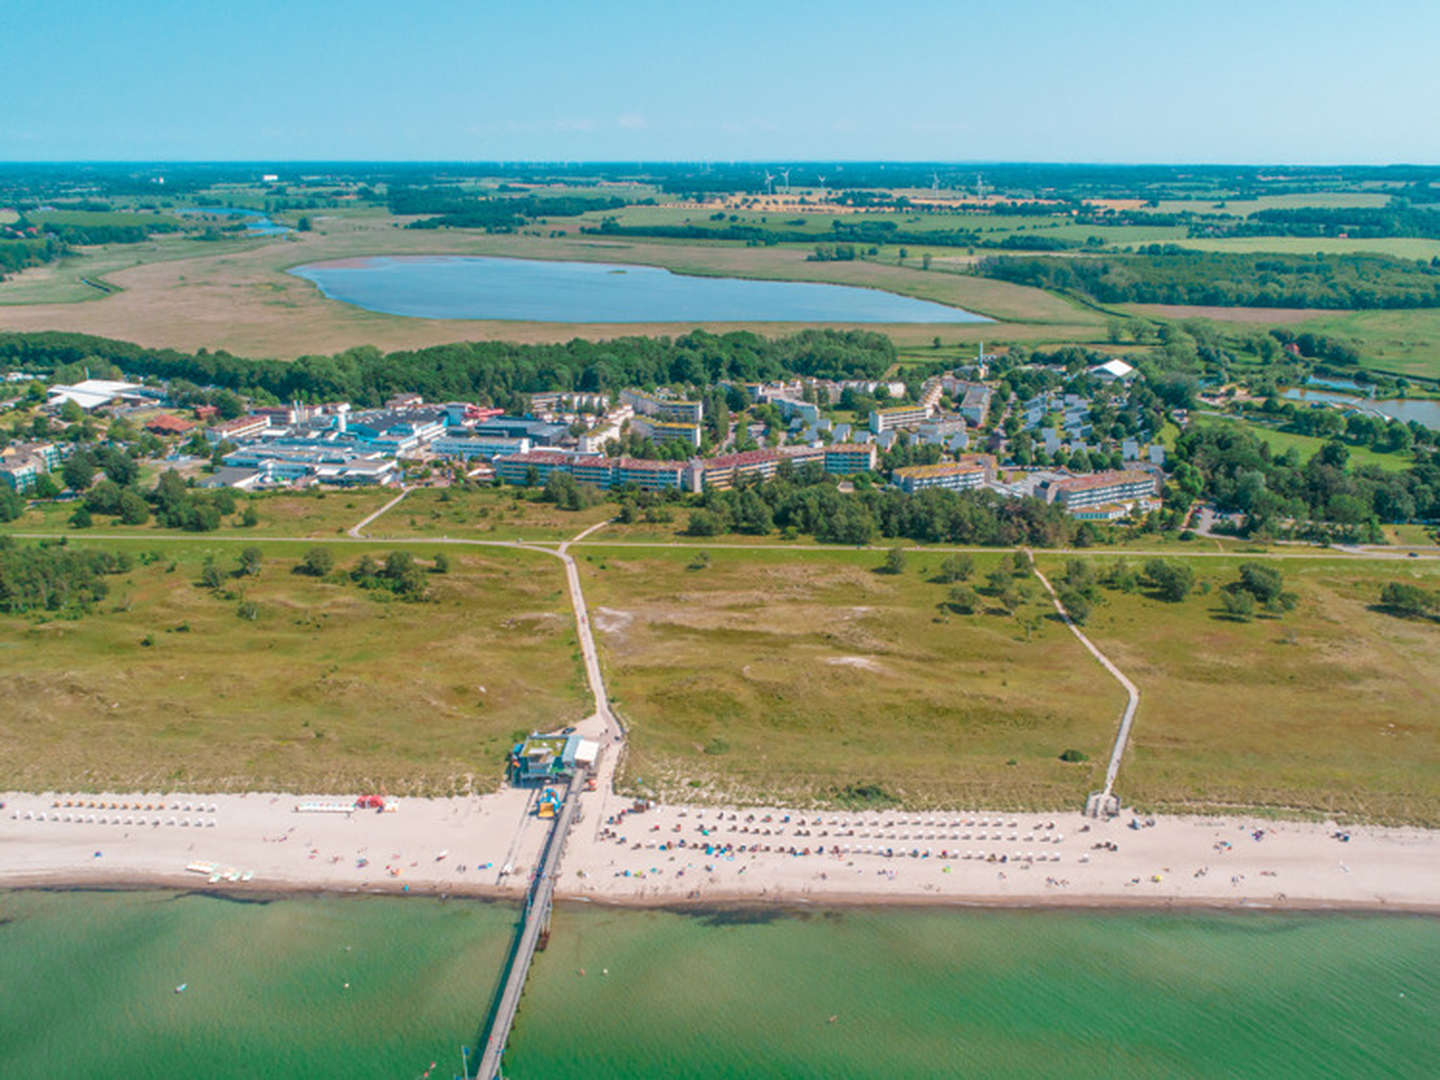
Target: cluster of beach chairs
[
  {"x": 765, "y": 833},
  {"x": 87, "y": 811}
]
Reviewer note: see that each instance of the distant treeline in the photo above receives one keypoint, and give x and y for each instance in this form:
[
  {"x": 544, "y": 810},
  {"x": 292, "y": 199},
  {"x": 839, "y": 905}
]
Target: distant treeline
[
  {"x": 1357, "y": 223},
  {"x": 1166, "y": 274},
  {"x": 106, "y": 234},
  {"x": 859, "y": 231},
  {"x": 460, "y": 211},
  {"x": 486, "y": 370},
  {"x": 18, "y": 254}
]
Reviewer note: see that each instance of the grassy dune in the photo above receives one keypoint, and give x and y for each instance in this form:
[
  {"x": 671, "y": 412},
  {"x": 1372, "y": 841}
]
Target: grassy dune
[
  {"x": 1334, "y": 708},
  {"x": 330, "y": 688},
  {"x": 770, "y": 675}
]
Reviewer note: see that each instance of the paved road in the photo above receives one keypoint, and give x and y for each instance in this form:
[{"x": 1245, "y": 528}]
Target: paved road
[
  {"x": 1352, "y": 553},
  {"x": 1127, "y": 718}
]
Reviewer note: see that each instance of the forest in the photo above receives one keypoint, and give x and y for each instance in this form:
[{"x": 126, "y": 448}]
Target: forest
[
  {"x": 453, "y": 209},
  {"x": 1166, "y": 274}
]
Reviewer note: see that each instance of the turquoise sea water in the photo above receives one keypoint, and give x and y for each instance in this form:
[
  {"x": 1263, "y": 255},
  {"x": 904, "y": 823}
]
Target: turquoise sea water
[
  {"x": 538, "y": 290},
  {"x": 87, "y": 979}
]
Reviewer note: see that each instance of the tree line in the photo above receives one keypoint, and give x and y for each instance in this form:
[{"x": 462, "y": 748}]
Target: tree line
[
  {"x": 53, "y": 576},
  {"x": 499, "y": 372},
  {"x": 1167, "y": 274}
]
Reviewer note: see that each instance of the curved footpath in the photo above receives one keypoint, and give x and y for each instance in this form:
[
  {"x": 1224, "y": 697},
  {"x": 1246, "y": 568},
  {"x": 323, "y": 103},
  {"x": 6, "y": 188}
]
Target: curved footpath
[{"x": 1127, "y": 717}]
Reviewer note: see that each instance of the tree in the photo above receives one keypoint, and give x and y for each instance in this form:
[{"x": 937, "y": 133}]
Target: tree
[
  {"x": 228, "y": 405},
  {"x": 71, "y": 413},
  {"x": 303, "y": 225},
  {"x": 210, "y": 575},
  {"x": 963, "y": 599},
  {"x": 80, "y": 519},
  {"x": 250, "y": 559},
  {"x": 1406, "y": 599},
  {"x": 78, "y": 472},
  {"x": 894, "y": 561},
  {"x": 442, "y": 563},
  {"x": 317, "y": 562},
  {"x": 1238, "y": 604},
  {"x": 704, "y": 523},
  {"x": 133, "y": 509},
  {"x": 11, "y": 504},
  {"x": 45, "y": 486},
  {"x": 956, "y": 568},
  {"x": 1172, "y": 580},
  {"x": 1260, "y": 581},
  {"x": 1020, "y": 565},
  {"x": 251, "y": 517},
  {"x": 1076, "y": 604}
]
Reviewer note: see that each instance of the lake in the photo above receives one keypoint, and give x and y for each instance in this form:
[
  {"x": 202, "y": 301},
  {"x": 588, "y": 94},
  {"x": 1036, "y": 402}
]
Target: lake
[
  {"x": 1423, "y": 411},
  {"x": 87, "y": 989},
  {"x": 536, "y": 290}
]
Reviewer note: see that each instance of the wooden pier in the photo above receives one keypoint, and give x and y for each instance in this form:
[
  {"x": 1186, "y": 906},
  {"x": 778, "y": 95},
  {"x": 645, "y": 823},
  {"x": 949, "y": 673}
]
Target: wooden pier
[{"x": 534, "y": 934}]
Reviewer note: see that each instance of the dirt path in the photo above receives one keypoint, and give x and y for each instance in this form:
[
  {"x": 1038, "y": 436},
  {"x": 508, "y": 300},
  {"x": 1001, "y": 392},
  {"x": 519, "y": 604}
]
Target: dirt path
[
  {"x": 354, "y": 530},
  {"x": 1127, "y": 718}
]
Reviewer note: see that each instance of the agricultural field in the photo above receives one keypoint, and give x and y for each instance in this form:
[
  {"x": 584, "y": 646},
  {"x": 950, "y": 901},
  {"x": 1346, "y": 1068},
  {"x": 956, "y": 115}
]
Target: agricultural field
[
  {"x": 1333, "y": 708},
  {"x": 1296, "y": 201},
  {"x": 765, "y": 675},
  {"x": 329, "y": 688}
]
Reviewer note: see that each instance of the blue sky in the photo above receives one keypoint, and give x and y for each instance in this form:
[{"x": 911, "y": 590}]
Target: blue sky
[{"x": 1029, "y": 80}]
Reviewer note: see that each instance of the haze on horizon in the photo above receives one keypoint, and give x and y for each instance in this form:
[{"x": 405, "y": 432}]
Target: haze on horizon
[{"x": 1036, "y": 80}]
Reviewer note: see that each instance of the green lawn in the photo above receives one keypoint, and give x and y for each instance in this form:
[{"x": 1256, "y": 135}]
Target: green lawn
[{"x": 1307, "y": 445}]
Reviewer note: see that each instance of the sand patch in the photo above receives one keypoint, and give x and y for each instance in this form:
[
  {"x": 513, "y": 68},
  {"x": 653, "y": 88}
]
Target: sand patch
[{"x": 864, "y": 663}]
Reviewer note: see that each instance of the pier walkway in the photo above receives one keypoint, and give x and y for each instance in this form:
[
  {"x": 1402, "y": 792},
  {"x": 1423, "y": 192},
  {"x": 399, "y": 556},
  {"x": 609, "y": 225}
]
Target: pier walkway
[{"x": 536, "y": 923}]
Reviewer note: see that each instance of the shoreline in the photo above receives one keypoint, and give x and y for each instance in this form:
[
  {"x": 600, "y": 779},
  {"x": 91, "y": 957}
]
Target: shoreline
[
  {"x": 269, "y": 892},
  {"x": 690, "y": 858}
]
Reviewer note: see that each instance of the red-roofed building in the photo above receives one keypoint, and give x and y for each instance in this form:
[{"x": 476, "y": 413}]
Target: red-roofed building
[{"x": 168, "y": 424}]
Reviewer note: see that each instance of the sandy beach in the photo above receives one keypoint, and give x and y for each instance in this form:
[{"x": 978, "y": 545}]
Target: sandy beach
[{"x": 490, "y": 846}]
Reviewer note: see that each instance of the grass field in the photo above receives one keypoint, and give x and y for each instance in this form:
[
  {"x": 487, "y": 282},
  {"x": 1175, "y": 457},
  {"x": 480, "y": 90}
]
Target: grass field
[
  {"x": 320, "y": 514},
  {"x": 330, "y": 688},
  {"x": 1334, "y": 708},
  {"x": 485, "y": 514},
  {"x": 1307, "y": 445},
  {"x": 770, "y": 675}
]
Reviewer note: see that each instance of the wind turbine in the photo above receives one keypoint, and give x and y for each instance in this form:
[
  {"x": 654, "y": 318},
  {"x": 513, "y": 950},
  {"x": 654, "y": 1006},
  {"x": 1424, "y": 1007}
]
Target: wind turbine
[
  {"x": 769, "y": 183},
  {"x": 979, "y": 186},
  {"x": 785, "y": 173},
  {"x": 822, "y": 187},
  {"x": 934, "y": 181}
]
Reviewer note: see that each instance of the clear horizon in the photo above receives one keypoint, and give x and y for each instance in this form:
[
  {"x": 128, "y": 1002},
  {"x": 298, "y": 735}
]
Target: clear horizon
[{"x": 1270, "y": 82}]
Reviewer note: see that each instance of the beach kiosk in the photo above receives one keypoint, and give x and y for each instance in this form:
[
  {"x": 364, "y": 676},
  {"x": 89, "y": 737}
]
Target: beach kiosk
[{"x": 543, "y": 758}]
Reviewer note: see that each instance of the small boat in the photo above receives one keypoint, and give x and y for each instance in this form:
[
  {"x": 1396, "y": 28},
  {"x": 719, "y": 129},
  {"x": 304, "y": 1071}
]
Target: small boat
[{"x": 182, "y": 988}]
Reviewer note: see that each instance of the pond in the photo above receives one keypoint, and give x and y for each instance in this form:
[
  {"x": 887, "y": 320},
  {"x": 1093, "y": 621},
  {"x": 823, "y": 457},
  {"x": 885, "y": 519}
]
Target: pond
[
  {"x": 1422, "y": 410},
  {"x": 534, "y": 290},
  {"x": 256, "y": 223}
]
